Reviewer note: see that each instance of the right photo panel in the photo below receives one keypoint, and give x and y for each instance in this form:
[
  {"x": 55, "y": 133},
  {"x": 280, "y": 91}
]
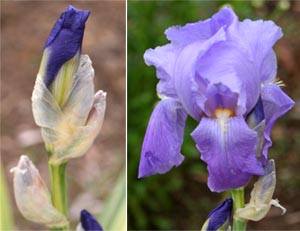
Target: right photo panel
[{"x": 213, "y": 115}]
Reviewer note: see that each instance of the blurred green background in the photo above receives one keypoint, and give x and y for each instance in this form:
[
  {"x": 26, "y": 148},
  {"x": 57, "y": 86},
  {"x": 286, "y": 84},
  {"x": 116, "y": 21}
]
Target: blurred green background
[{"x": 180, "y": 199}]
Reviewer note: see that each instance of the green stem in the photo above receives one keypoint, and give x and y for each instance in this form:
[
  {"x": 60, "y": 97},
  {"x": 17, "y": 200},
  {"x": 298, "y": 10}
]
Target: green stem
[
  {"x": 238, "y": 202},
  {"x": 59, "y": 190}
]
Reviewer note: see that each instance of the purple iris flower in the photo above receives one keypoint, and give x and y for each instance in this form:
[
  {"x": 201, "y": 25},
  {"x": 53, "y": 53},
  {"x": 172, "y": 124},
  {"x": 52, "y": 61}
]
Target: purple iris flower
[
  {"x": 88, "y": 222},
  {"x": 222, "y": 73},
  {"x": 65, "y": 40},
  {"x": 220, "y": 215}
]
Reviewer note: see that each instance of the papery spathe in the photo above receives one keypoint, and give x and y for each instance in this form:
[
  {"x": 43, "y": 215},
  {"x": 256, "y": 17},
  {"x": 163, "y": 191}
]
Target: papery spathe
[
  {"x": 70, "y": 130},
  {"x": 261, "y": 196},
  {"x": 32, "y": 196}
]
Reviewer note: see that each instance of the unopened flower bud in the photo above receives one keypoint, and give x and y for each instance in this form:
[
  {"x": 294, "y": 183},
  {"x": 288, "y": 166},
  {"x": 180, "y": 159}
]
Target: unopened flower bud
[
  {"x": 88, "y": 222},
  {"x": 64, "y": 102},
  {"x": 32, "y": 197},
  {"x": 219, "y": 218},
  {"x": 261, "y": 196}
]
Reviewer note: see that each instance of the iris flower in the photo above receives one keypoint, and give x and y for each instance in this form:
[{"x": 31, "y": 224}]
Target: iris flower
[
  {"x": 221, "y": 72},
  {"x": 64, "y": 101}
]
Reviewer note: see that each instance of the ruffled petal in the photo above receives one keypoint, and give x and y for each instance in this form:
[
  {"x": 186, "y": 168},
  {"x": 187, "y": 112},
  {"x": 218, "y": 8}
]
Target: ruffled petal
[
  {"x": 201, "y": 30},
  {"x": 258, "y": 38},
  {"x": 276, "y": 103},
  {"x": 164, "y": 60},
  {"x": 163, "y": 139},
  {"x": 228, "y": 147}
]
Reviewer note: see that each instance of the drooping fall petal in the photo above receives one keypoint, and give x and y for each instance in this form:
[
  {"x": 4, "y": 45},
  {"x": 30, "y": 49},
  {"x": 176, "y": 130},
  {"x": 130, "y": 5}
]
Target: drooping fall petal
[{"x": 163, "y": 139}]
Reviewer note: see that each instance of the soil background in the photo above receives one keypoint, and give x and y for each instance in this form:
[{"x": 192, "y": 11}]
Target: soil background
[{"x": 25, "y": 26}]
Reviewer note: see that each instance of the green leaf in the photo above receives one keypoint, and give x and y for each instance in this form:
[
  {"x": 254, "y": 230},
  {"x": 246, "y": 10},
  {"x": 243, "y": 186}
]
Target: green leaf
[
  {"x": 113, "y": 216},
  {"x": 6, "y": 222}
]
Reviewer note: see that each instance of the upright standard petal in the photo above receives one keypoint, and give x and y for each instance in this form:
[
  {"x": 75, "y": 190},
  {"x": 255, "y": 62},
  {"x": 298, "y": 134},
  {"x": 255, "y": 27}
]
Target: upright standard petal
[
  {"x": 32, "y": 196},
  {"x": 64, "y": 41},
  {"x": 275, "y": 103},
  {"x": 257, "y": 38},
  {"x": 202, "y": 30},
  {"x": 228, "y": 147},
  {"x": 228, "y": 64},
  {"x": 163, "y": 139},
  {"x": 88, "y": 222},
  {"x": 191, "y": 87}
]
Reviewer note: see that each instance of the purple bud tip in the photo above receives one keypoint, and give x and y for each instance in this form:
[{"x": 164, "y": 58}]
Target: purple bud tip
[
  {"x": 88, "y": 222},
  {"x": 220, "y": 215},
  {"x": 65, "y": 40}
]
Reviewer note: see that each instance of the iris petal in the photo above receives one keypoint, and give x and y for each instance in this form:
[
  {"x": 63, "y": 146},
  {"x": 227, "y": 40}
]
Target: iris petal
[
  {"x": 163, "y": 139},
  {"x": 201, "y": 30},
  {"x": 164, "y": 59},
  {"x": 228, "y": 146},
  {"x": 190, "y": 88},
  {"x": 259, "y": 48},
  {"x": 276, "y": 103},
  {"x": 228, "y": 64}
]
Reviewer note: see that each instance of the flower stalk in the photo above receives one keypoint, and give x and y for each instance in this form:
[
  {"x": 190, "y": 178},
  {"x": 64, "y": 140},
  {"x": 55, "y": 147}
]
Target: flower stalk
[
  {"x": 238, "y": 197},
  {"x": 59, "y": 190}
]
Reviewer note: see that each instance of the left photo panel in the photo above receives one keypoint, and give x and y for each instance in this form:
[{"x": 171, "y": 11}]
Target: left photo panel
[{"x": 63, "y": 115}]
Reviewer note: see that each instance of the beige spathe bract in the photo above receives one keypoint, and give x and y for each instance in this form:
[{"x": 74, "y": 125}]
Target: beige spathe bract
[
  {"x": 32, "y": 196},
  {"x": 261, "y": 196},
  {"x": 69, "y": 129}
]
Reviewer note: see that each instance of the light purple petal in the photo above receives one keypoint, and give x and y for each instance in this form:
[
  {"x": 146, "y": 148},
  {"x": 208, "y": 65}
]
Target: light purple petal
[
  {"x": 269, "y": 70},
  {"x": 228, "y": 147},
  {"x": 219, "y": 97},
  {"x": 163, "y": 139},
  {"x": 258, "y": 38},
  {"x": 201, "y": 30},
  {"x": 228, "y": 64},
  {"x": 276, "y": 103},
  {"x": 164, "y": 59},
  {"x": 190, "y": 87}
]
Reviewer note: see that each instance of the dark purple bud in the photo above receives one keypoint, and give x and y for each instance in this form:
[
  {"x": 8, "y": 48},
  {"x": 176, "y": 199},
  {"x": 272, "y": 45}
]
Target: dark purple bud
[
  {"x": 220, "y": 215},
  {"x": 88, "y": 222},
  {"x": 64, "y": 41}
]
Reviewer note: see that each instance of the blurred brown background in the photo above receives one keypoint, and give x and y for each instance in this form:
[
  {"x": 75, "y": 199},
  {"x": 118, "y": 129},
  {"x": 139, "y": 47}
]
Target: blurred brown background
[{"x": 25, "y": 27}]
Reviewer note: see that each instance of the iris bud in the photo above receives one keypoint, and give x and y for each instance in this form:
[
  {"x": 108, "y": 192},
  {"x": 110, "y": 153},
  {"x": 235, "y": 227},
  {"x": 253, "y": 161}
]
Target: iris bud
[
  {"x": 219, "y": 218},
  {"x": 64, "y": 102},
  {"x": 88, "y": 222},
  {"x": 32, "y": 196},
  {"x": 261, "y": 196}
]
